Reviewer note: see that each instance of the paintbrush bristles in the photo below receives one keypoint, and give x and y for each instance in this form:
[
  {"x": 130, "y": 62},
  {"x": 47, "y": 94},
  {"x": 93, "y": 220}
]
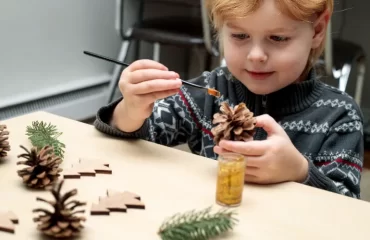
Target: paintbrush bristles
[{"x": 214, "y": 92}]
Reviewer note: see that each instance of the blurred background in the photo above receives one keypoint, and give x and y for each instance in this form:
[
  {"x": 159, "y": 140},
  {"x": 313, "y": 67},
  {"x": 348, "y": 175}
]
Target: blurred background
[{"x": 43, "y": 68}]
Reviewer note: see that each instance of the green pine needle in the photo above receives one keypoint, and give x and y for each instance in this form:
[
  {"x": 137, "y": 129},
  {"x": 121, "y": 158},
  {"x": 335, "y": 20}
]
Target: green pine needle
[
  {"x": 201, "y": 225},
  {"x": 41, "y": 134}
]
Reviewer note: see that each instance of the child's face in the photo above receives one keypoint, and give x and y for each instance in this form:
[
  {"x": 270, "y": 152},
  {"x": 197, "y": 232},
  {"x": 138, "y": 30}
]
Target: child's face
[{"x": 267, "y": 50}]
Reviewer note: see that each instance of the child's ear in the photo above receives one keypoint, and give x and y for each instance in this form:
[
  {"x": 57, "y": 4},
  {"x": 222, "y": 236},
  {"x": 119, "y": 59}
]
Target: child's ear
[{"x": 320, "y": 26}]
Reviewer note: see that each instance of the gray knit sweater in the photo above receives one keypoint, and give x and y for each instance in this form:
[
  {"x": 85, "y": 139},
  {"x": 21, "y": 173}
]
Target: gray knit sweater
[{"x": 324, "y": 124}]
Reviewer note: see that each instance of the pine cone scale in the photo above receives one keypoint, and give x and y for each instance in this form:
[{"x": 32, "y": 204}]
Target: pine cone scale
[
  {"x": 41, "y": 175},
  {"x": 225, "y": 108},
  {"x": 46, "y": 181},
  {"x": 63, "y": 225},
  {"x": 238, "y": 130},
  {"x": 42, "y": 218},
  {"x": 227, "y": 132},
  {"x": 218, "y": 118},
  {"x": 44, "y": 225},
  {"x": 4, "y": 133},
  {"x": 249, "y": 125},
  {"x": 56, "y": 229},
  {"x": 26, "y": 178},
  {"x": 76, "y": 225}
]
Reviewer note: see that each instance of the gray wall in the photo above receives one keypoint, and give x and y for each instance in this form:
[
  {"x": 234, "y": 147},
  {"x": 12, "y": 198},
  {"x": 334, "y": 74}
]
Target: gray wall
[{"x": 42, "y": 43}]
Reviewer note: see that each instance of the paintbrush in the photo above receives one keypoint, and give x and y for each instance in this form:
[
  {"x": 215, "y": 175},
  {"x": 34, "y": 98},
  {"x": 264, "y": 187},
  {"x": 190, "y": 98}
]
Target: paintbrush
[{"x": 210, "y": 91}]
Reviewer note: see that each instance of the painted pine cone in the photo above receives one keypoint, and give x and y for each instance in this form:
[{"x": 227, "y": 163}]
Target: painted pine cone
[
  {"x": 236, "y": 123},
  {"x": 43, "y": 167},
  {"x": 64, "y": 221},
  {"x": 4, "y": 143}
]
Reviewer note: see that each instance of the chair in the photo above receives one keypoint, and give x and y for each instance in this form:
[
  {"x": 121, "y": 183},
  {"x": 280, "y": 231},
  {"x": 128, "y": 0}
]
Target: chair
[
  {"x": 349, "y": 59},
  {"x": 187, "y": 32},
  {"x": 346, "y": 67}
]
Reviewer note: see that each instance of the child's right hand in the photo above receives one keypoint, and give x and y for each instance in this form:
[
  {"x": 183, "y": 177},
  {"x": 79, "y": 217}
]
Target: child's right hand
[{"x": 142, "y": 83}]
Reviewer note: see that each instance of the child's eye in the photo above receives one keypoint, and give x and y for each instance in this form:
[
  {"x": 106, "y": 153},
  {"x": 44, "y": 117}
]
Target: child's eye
[
  {"x": 240, "y": 36},
  {"x": 279, "y": 38}
]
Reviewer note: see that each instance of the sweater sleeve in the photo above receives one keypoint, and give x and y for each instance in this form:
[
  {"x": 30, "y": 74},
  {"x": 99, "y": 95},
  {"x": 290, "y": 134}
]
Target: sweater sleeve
[
  {"x": 170, "y": 123},
  {"x": 338, "y": 165}
]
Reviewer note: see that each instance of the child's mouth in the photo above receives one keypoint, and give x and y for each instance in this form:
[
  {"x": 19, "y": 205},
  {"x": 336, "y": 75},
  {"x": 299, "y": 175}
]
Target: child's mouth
[{"x": 259, "y": 75}]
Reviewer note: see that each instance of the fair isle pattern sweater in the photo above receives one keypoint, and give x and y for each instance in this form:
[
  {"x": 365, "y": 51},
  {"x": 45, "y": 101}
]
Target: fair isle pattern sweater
[{"x": 324, "y": 124}]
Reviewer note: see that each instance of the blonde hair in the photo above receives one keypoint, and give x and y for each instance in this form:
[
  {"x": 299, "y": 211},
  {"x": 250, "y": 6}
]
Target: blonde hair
[{"x": 303, "y": 10}]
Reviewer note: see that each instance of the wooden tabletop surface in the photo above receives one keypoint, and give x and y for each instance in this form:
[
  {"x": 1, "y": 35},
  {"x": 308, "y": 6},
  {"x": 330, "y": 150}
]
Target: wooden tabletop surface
[{"x": 170, "y": 181}]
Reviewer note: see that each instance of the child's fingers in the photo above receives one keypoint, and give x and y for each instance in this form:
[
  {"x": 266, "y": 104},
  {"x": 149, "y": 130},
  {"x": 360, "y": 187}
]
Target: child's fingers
[
  {"x": 157, "y": 85},
  {"x": 249, "y": 148},
  {"x": 146, "y": 64},
  {"x": 255, "y": 161},
  {"x": 252, "y": 162},
  {"x": 266, "y": 122},
  {"x": 220, "y": 150},
  {"x": 152, "y": 97},
  {"x": 150, "y": 74},
  {"x": 249, "y": 178}
]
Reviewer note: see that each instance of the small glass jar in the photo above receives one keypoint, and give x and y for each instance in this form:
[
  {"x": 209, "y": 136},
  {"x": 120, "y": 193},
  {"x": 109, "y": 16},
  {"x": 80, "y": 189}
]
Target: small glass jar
[{"x": 230, "y": 179}]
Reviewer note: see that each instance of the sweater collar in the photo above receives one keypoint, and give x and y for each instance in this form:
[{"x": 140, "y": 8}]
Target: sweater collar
[{"x": 291, "y": 99}]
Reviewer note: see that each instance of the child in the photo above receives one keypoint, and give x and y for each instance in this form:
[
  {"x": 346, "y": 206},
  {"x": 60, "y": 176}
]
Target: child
[{"x": 308, "y": 132}]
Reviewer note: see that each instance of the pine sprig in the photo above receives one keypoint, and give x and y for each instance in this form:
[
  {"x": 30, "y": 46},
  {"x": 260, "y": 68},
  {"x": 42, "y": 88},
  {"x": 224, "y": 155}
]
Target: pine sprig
[
  {"x": 41, "y": 134},
  {"x": 201, "y": 225}
]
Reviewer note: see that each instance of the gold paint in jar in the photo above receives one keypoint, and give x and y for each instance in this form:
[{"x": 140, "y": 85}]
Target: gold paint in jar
[{"x": 230, "y": 179}]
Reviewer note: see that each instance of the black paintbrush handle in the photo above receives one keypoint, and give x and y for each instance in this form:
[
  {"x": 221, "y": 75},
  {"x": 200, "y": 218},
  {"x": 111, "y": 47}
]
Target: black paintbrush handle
[
  {"x": 105, "y": 58},
  {"x": 193, "y": 85},
  {"x": 125, "y": 64}
]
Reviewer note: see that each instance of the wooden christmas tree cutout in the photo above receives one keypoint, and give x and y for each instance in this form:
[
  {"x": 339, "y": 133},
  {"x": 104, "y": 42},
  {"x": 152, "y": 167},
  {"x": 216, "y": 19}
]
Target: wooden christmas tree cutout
[
  {"x": 86, "y": 168},
  {"x": 116, "y": 202},
  {"x": 7, "y": 221}
]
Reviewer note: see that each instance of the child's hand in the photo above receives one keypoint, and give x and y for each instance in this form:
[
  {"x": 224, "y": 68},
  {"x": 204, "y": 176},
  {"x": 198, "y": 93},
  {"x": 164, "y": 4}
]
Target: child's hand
[
  {"x": 272, "y": 160},
  {"x": 142, "y": 83}
]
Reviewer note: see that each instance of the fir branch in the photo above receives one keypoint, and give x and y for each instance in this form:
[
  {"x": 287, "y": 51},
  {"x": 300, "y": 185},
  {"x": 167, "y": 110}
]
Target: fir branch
[
  {"x": 199, "y": 225},
  {"x": 41, "y": 134}
]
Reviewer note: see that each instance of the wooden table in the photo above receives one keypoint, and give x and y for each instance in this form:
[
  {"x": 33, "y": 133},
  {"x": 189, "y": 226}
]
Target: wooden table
[{"x": 171, "y": 181}]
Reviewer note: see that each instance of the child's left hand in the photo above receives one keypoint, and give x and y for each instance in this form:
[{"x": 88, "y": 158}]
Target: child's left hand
[{"x": 272, "y": 160}]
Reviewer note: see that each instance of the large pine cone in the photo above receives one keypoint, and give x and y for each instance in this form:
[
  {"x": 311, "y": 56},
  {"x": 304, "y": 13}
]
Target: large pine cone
[
  {"x": 43, "y": 167},
  {"x": 63, "y": 222},
  {"x": 233, "y": 124},
  {"x": 4, "y": 143}
]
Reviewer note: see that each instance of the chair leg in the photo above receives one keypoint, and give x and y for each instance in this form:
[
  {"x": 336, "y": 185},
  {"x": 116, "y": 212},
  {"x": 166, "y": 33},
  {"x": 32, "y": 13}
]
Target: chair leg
[
  {"x": 117, "y": 71},
  {"x": 187, "y": 64},
  {"x": 361, "y": 67},
  {"x": 156, "y": 52},
  {"x": 223, "y": 62},
  {"x": 344, "y": 76},
  {"x": 137, "y": 49},
  {"x": 208, "y": 64}
]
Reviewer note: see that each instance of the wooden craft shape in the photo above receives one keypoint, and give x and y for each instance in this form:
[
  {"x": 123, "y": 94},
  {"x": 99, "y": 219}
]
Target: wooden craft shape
[
  {"x": 116, "y": 202},
  {"x": 86, "y": 168},
  {"x": 7, "y": 221}
]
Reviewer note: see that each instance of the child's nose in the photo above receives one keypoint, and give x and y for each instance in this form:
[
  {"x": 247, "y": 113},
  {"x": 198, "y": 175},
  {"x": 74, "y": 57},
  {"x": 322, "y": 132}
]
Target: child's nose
[{"x": 256, "y": 54}]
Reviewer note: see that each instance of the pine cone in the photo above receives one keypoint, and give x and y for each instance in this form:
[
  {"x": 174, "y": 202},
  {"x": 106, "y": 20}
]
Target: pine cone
[
  {"x": 233, "y": 124},
  {"x": 62, "y": 222},
  {"x": 4, "y": 143},
  {"x": 43, "y": 167}
]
